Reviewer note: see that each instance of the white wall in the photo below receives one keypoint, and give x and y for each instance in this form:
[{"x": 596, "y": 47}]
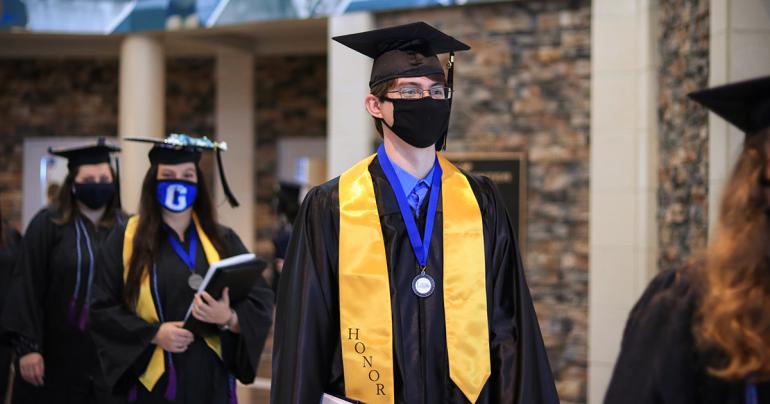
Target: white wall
[
  {"x": 739, "y": 50},
  {"x": 623, "y": 228},
  {"x": 350, "y": 128}
]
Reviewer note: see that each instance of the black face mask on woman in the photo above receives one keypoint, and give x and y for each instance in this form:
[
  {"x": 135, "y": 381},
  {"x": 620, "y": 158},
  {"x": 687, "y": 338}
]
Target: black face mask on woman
[
  {"x": 94, "y": 194},
  {"x": 420, "y": 123}
]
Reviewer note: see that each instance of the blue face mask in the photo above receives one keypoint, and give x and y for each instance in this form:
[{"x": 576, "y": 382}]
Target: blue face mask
[{"x": 176, "y": 195}]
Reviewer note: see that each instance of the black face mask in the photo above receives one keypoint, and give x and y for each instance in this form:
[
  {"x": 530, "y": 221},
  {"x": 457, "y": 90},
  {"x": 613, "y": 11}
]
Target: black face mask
[
  {"x": 94, "y": 195},
  {"x": 421, "y": 123}
]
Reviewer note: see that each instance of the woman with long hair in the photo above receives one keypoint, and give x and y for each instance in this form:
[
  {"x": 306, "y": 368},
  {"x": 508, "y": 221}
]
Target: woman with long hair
[
  {"x": 9, "y": 249},
  {"x": 702, "y": 334},
  {"x": 46, "y": 311},
  {"x": 149, "y": 275}
]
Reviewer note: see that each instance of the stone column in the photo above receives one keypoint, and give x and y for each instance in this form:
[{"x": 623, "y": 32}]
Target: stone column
[
  {"x": 624, "y": 153},
  {"x": 235, "y": 125},
  {"x": 141, "y": 108},
  {"x": 350, "y": 128},
  {"x": 739, "y": 30}
]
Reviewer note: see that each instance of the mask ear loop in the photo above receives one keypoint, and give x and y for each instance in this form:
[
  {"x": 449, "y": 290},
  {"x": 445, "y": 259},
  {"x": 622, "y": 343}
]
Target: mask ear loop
[{"x": 441, "y": 144}]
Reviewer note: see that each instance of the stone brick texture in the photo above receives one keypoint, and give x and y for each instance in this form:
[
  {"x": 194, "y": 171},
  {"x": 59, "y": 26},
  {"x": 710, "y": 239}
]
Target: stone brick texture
[
  {"x": 683, "y": 46},
  {"x": 290, "y": 102},
  {"x": 50, "y": 97},
  {"x": 525, "y": 86}
]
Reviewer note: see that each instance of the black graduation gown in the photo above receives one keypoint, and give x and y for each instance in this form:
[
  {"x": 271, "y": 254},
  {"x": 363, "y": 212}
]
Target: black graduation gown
[
  {"x": 38, "y": 309},
  {"x": 124, "y": 339},
  {"x": 307, "y": 359},
  {"x": 659, "y": 361},
  {"x": 8, "y": 255}
]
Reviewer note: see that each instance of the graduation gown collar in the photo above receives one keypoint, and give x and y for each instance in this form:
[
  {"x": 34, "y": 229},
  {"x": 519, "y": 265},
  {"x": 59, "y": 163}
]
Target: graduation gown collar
[{"x": 386, "y": 199}]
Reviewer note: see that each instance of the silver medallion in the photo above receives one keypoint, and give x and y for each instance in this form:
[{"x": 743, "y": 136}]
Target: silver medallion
[
  {"x": 423, "y": 285},
  {"x": 194, "y": 281}
]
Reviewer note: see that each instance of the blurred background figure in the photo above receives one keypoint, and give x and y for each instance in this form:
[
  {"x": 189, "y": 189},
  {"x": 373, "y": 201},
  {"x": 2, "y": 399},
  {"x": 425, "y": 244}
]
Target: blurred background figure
[
  {"x": 701, "y": 334},
  {"x": 286, "y": 206},
  {"x": 46, "y": 309},
  {"x": 9, "y": 249}
]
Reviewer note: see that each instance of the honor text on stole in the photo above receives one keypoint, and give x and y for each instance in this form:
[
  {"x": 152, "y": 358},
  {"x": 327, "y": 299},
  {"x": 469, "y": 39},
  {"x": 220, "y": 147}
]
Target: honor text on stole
[{"x": 368, "y": 361}]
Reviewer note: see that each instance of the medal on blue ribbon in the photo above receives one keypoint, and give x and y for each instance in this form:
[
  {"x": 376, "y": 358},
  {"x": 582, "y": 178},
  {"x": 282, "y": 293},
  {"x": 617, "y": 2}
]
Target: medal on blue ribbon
[
  {"x": 423, "y": 284},
  {"x": 188, "y": 257}
]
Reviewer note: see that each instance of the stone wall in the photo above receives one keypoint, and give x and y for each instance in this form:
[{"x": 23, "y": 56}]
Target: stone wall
[
  {"x": 48, "y": 97},
  {"x": 79, "y": 97},
  {"x": 524, "y": 86},
  {"x": 290, "y": 102},
  {"x": 683, "y": 45}
]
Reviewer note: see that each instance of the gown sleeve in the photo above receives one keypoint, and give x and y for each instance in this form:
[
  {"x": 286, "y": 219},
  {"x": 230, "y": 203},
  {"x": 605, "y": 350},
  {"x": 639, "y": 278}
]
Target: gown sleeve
[
  {"x": 29, "y": 283},
  {"x": 7, "y": 264},
  {"x": 122, "y": 338},
  {"x": 520, "y": 369},
  {"x": 242, "y": 351},
  {"x": 657, "y": 360},
  {"x": 305, "y": 326}
]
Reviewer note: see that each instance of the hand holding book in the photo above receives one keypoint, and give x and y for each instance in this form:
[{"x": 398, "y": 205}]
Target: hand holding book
[{"x": 209, "y": 310}]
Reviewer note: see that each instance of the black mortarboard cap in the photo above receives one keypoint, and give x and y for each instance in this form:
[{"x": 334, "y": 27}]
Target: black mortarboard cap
[
  {"x": 92, "y": 153},
  {"x": 402, "y": 51},
  {"x": 745, "y": 104},
  {"x": 180, "y": 148}
]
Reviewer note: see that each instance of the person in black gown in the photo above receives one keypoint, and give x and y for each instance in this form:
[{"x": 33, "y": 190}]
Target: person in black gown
[
  {"x": 9, "y": 249},
  {"x": 701, "y": 334},
  {"x": 46, "y": 311},
  {"x": 418, "y": 286},
  {"x": 151, "y": 358}
]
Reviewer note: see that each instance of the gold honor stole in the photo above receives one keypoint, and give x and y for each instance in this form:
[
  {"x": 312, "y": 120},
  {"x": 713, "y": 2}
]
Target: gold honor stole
[
  {"x": 366, "y": 326},
  {"x": 145, "y": 306}
]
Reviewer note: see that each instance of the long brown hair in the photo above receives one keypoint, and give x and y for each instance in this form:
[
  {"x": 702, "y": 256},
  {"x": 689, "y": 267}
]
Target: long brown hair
[
  {"x": 734, "y": 319},
  {"x": 149, "y": 231},
  {"x": 67, "y": 208}
]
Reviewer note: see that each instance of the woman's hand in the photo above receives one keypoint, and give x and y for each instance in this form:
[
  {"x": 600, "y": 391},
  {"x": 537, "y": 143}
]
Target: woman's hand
[
  {"x": 172, "y": 337},
  {"x": 209, "y": 310},
  {"x": 32, "y": 368}
]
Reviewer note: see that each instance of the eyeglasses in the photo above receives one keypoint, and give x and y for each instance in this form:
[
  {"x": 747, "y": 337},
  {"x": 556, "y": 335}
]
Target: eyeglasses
[{"x": 416, "y": 93}]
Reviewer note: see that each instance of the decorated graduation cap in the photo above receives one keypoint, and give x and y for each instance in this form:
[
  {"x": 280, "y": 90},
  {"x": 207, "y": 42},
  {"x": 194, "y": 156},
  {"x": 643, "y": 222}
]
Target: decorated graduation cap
[
  {"x": 408, "y": 50},
  {"x": 745, "y": 104},
  {"x": 91, "y": 153},
  {"x": 180, "y": 148}
]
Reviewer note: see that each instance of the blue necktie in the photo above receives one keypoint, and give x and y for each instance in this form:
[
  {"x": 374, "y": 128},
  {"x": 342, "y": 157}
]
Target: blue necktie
[{"x": 416, "y": 196}]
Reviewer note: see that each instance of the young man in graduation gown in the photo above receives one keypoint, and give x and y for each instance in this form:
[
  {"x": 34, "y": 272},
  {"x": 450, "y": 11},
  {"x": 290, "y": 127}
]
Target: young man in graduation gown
[
  {"x": 150, "y": 271},
  {"x": 403, "y": 282},
  {"x": 46, "y": 311}
]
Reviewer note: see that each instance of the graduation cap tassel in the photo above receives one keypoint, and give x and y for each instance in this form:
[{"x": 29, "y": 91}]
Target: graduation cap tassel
[
  {"x": 117, "y": 183},
  {"x": 225, "y": 187},
  {"x": 450, "y": 84}
]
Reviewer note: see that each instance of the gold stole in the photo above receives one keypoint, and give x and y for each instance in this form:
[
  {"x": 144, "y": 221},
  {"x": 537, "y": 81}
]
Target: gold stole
[
  {"x": 145, "y": 306},
  {"x": 366, "y": 326}
]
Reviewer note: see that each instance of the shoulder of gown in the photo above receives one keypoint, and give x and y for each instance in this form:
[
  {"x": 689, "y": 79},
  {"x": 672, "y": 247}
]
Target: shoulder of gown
[{"x": 658, "y": 361}]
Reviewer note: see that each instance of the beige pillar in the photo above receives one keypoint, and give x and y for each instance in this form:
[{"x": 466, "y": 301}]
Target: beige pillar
[
  {"x": 235, "y": 125},
  {"x": 624, "y": 161},
  {"x": 351, "y": 132},
  {"x": 141, "y": 108},
  {"x": 738, "y": 50}
]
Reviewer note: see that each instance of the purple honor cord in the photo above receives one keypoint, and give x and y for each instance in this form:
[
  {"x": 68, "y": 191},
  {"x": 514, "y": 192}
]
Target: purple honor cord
[
  {"x": 419, "y": 246},
  {"x": 751, "y": 394}
]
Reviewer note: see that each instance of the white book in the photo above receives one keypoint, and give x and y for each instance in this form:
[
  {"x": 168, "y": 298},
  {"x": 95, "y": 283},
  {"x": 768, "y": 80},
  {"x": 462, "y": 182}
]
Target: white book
[{"x": 330, "y": 399}]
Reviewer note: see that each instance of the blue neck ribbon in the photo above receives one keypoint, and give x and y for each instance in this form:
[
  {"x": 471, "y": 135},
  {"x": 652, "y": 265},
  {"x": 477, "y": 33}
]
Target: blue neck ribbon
[
  {"x": 419, "y": 246},
  {"x": 187, "y": 256}
]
